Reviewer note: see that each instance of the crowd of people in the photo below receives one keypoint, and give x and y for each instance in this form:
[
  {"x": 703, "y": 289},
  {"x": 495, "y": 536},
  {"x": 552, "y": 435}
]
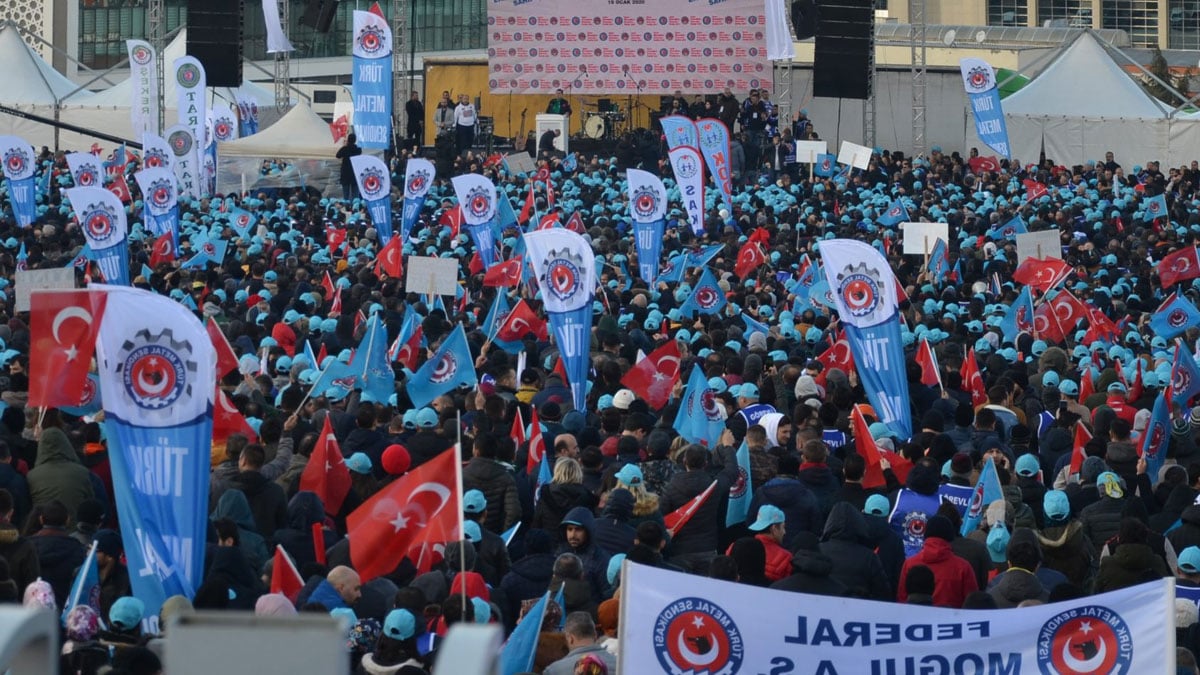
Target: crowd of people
[{"x": 618, "y": 465}]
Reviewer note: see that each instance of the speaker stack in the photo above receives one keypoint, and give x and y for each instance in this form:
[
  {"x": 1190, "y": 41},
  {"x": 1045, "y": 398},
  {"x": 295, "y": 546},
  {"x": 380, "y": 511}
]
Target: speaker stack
[
  {"x": 214, "y": 37},
  {"x": 319, "y": 15},
  {"x": 845, "y": 32}
]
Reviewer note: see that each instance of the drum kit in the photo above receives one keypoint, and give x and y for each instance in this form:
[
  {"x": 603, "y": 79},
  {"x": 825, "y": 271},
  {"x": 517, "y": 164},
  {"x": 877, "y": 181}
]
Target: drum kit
[{"x": 603, "y": 124}]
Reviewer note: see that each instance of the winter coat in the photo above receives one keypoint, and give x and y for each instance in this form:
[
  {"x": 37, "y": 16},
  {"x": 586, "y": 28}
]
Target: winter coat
[
  {"x": 820, "y": 479},
  {"x": 1188, "y": 532},
  {"x": 58, "y": 474},
  {"x": 1130, "y": 565},
  {"x": 233, "y": 505},
  {"x": 953, "y": 577},
  {"x": 1065, "y": 548},
  {"x": 976, "y": 554},
  {"x": 855, "y": 565},
  {"x": 801, "y": 511},
  {"x": 268, "y": 503},
  {"x": 492, "y": 554},
  {"x": 327, "y": 595},
  {"x": 231, "y": 564},
  {"x": 303, "y": 511},
  {"x": 59, "y": 556},
  {"x": 499, "y": 488},
  {"x": 699, "y": 535},
  {"x": 811, "y": 573},
  {"x": 779, "y": 560},
  {"x": 1101, "y": 521},
  {"x": 22, "y": 557},
  {"x": 555, "y": 500},
  {"x": 18, "y": 487},
  {"x": 1015, "y": 586},
  {"x": 529, "y": 578},
  {"x": 1180, "y": 497},
  {"x": 887, "y": 546},
  {"x": 594, "y": 558},
  {"x": 613, "y": 531}
]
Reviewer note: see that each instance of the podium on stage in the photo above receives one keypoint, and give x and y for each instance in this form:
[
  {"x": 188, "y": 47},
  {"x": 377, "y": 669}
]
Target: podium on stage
[{"x": 547, "y": 122}]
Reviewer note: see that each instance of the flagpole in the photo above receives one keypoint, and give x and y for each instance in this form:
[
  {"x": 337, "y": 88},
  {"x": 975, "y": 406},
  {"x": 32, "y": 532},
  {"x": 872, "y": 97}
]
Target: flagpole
[
  {"x": 78, "y": 590},
  {"x": 458, "y": 485}
]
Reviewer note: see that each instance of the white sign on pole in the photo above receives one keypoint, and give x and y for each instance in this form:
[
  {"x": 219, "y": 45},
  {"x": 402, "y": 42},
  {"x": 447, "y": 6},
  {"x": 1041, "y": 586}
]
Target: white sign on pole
[
  {"x": 920, "y": 238},
  {"x": 520, "y": 162},
  {"x": 807, "y": 151},
  {"x": 857, "y": 156},
  {"x": 1044, "y": 244},
  {"x": 28, "y": 281},
  {"x": 432, "y": 276}
]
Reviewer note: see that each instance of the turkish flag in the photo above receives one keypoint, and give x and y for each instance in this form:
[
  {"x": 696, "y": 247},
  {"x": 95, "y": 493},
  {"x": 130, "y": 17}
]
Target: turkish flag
[
  {"x": 1082, "y": 436},
  {"x": 676, "y": 519},
  {"x": 410, "y": 350},
  {"x": 377, "y": 11},
  {"x": 389, "y": 259},
  {"x": 1041, "y": 273},
  {"x": 120, "y": 188},
  {"x": 537, "y": 444},
  {"x": 527, "y": 209},
  {"x": 507, "y": 273},
  {"x": 1138, "y": 386},
  {"x": 475, "y": 265},
  {"x": 973, "y": 380},
  {"x": 340, "y": 128},
  {"x": 518, "y": 430},
  {"x": 1100, "y": 327},
  {"x": 837, "y": 356},
  {"x": 749, "y": 258},
  {"x": 981, "y": 164},
  {"x": 542, "y": 175},
  {"x": 520, "y": 322},
  {"x": 1179, "y": 266},
  {"x": 1045, "y": 324},
  {"x": 227, "y": 360},
  {"x": 1086, "y": 386},
  {"x": 865, "y": 445},
  {"x": 421, "y": 508},
  {"x": 326, "y": 473},
  {"x": 285, "y": 579},
  {"x": 163, "y": 251},
  {"x": 335, "y": 308},
  {"x": 1033, "y": 189},
  {"x": 929, "y": 368},
  {"x": 63, "y": 328},
  {"x": 653, "y": 377},
  {"x": 575, "y": 223},
  {"x": 1068, "y": 310},
  {"x": 334, "y": 237},
  {"x": 548, "y": 221},
  {"x": 327, "y": 284},
  {"x": 452, "y": 218},
  {"x": 227, "y": 419}
]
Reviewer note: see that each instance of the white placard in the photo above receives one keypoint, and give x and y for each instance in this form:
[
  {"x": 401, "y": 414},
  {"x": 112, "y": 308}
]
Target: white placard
[
  {"x": 432, "y": 276},
  {"x": 857, "y": 156},
  {"x": 28, "y": 281},
  {"x": 548, "y": 122},
  {"x": 807, "y": 151},
  {"x": 310, "y": 643},
  {"x": 520, "y": 162},
  {"x": 920, "y": 238},
  {"x": 1044, "y": 244}
]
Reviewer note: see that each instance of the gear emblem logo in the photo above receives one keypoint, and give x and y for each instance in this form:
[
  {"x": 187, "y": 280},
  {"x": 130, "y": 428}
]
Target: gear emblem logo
[
  {"x": 180, "y": 142},
  {"x": 1090, "y": 639},
  {"x": 418, "y": 184},
  {"x": 562, "y": 278},
  {"x": 156, "y": 370},
  {"x": 694, "y": 636},
  {"x": 99, "y": 222},
  {"x": 372, "y": 183},
  {"x": 860, "y": 290}
]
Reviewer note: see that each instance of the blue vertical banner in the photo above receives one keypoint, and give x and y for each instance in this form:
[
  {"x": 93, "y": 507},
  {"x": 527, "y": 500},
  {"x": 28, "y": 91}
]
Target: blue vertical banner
[
  {"x": 101, "y": 216},
  {"x": 688, "y": 168},
  {"x": 375, "y": 186},
  {"x": 477, "y": 197},
  {"x": 418, "y": 178},
  {"x": 371, "y": 82},
  {"x": 864, "y": 293},
  {"x": 714, "y": 145},
  {"x": 157, "y": 370},
  {"x": 647, "y": 210},
  {"x": 565, "y": 268},
  {"x": 679, "y": 130},
  {"x": 19, "y": 165},
  {"x": 979, "y": 80},
  {"x": 160, "y": 201}
]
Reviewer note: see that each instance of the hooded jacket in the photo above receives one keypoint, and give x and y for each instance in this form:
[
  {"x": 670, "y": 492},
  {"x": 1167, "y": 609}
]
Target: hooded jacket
[
  {"x": 811, "y": 573},
  {"x": 700, "y": 533},
  {"x": 1179, "y": 499},
  {"x": 1102, "y": 520},
  {"x": 528, "y": 578},
  {"x": 58, "y": 474},
  {"x": 1130, "y": 565},
  {"x": 555, "y": 500},
  {"x": 855, "y": 565},
  {"x": 22, "y": 557},
  {"x": 1015, "y": 586},
  {"x": 1065, "y": 548},
  {"x": 594, "y": 558},
  {"x": 303, "y": 511},
  {"x": 954, "y": 578},
  {"x": 613, "y": 531},
  {"x": 888, "y": 546},
  {"x": 268, "y": 504},
  {"x": 499, "y": 487},
  {"x": 233, "y": 505},
  {"x": 1188, "y": 532},
  {"x": 59, "y": 556},
  {"x": 799, "y": 505}
]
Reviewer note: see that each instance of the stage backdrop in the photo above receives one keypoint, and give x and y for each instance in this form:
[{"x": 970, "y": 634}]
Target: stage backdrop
[{"x": 626, "y": 46}]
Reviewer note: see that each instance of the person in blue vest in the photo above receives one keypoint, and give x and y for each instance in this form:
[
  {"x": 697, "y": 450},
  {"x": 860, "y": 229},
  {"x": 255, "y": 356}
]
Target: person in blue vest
[
  {"x": 915, "y": 504},
  {"x": 750, "y": 411}
]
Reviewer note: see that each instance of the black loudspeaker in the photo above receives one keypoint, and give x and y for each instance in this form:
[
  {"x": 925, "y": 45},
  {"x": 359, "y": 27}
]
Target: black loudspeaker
[
  {"x": 319, "y": 14},
  {"x": 214, "y": 37},
  {"x": 804, "y": 19},
  {"x": 842, "y": 58}
]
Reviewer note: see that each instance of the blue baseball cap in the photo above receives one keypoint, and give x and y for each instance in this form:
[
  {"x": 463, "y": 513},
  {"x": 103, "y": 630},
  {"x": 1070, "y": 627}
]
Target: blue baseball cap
[
  {"x": 427, "y": 418},
  {"x": 1027, "y": 465},
  {"x": 474, "y": 502},
  {"x": 400, "y": 624},
  {"x": 1189, "y": 560},
  {"x": 748, "y": 390},
  {"x": 877, "y": 505},
  {"x": 359, "y": 463},
  {"x": 768, "y": 515},
  {"x": 630, "y": 475}
]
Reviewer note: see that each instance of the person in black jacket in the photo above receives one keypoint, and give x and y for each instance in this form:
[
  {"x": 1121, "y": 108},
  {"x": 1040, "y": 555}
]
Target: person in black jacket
[
  {"x": 812, "y": 571},
  {"x": 491, "y": 549},
  {"x": 530, "y": 576},
  {"x": 59, "y": 554},
  {"x": 267, "y": 500},
  {"x": 346, "y": 177},
  {"x": 564, "y": 492},
  {"x": 613, "y": 531},
  {"x": 579, "y": 534},
  {"x": 798, "y": 503},
  {"x": 855, "y": 565},
  {"x": 695, "y": 544},
  {"x": 883, "y": 539}
]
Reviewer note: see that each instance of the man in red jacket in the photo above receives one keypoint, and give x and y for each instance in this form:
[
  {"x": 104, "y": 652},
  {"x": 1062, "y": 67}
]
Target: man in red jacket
[
  {"x": 954, "y": 578},
  {"x": 770, "y": 526}
]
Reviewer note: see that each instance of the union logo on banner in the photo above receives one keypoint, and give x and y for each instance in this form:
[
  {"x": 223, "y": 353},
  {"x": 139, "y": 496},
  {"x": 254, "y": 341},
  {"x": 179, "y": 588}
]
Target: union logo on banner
[
  {"x": 645, "y": 203},
  {"x": 1090, "y": 639},
  {"x": 694, "y": 635},
  {"x": 156, "y": 370},
  {"x": 99, "y": 221},
  {"x": 188, "y": 75},
  {"x": 141, "y": 55},
  {"x": 417, "y": 183},
  {"x": 563, "y": 275}
]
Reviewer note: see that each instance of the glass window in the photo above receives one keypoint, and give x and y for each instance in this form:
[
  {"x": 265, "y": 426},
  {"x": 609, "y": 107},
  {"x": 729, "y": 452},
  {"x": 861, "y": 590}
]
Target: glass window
[
  {"x": 105, "y": 25},
  {"x": 1073, "y": 13},
  {"x": 1008, "y": 13},
  {"x": 1138, "y": 18},
  {"x": 1183, "y": 24}
]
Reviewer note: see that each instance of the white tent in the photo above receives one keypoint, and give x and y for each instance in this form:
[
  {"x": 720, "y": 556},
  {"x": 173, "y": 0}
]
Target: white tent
[
  {"x": 300, "y": 144},
  {"x": 1084, "y": 104},
  {"x": 29, "y": 84}
]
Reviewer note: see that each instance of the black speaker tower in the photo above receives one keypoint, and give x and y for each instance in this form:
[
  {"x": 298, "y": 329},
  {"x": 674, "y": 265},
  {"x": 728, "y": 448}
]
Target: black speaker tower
[
  {"x": 214, "y": 37},
  {"x": 319, "y": 15},
  {"x": 845, "y": 39}
]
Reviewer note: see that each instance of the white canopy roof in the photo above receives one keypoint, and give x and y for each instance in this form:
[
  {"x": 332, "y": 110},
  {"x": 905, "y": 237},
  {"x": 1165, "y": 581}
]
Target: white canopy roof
[
  {"x": 299, "y": 134},
  {"x": 25, "y": 79},
  {"x": 1084, "y": 81}
]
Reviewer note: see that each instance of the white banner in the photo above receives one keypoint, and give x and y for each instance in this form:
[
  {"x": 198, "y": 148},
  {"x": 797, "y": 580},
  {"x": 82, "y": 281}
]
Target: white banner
[
  {"x": 277, "y": 40},
  {"x": 565, "y": 267},
  {"x": 143, "y": 75},
  {"x": 684, "y": 624},
  {"x": 688, "y": 166},
  {"x": 624, "y": 46},
  {"x": 373, "y": 178},
  {"x": 85, "y": 169},
  {"x": 418, "y": 178},
  {"x": 779, "y": 36},
  {"x": 184, "y": 160},
  {"x": 477, "y": 197},
  {"x": 647, "y": 196},
  {"x": 156, "y": 152},
  {"x": 189, "y": 88},
  {"x": 863, "y": 284},
  {"x": 223, "y": 122}
]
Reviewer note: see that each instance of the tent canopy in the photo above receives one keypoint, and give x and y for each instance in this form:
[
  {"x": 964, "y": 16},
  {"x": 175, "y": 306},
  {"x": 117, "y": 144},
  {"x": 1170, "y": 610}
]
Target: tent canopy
[
  {"x": 26, "y": 79},
  {"x": 1084, "y": 80},
  {"x": 300, "y": 134}
]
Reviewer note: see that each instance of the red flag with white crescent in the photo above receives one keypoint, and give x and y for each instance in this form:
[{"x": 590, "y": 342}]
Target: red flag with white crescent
[{"x": 63, "y": 326}]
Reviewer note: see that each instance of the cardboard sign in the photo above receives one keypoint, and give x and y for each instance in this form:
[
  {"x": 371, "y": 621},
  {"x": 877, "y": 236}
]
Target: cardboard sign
[
  {"x": 520, "y": 162},
  {"x": 857, "y": 156},
  {"x": 920, "y": 238},
  {"x": 807, "y": 151},
  {"x": 28, "y": 281},
  {"x": 432, "y": 276},
  {"x": 1045, "y": 244}
]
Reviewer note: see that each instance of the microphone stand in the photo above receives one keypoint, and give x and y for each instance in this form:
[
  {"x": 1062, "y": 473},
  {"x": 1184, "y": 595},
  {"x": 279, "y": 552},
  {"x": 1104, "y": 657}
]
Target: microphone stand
[{"x": 629, "y": 99}]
